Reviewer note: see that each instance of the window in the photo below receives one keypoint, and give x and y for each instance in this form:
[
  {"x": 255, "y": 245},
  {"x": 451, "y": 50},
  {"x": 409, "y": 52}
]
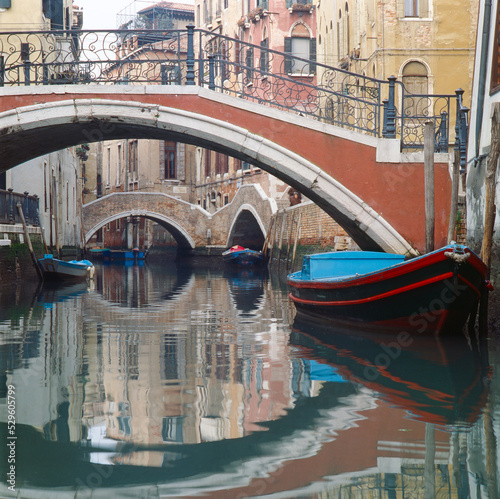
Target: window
[
  {"x": 207, "y": 163},
  {"x": 170, "y": 160},
  {"x": 108, "y": 166},
  {"x": 133, "y": 161},
  {"x": 264, "y": 55},
  {"x": 119, "y": 165},
  {"x": 300, "y": 45},
  {"x": 411, "y": 8},
  {"x": 249, "y": 65},
  {"x": 221, "y": 163},
  {"x": 415, "y": 83},
  {"x": 45, "y": 188}
]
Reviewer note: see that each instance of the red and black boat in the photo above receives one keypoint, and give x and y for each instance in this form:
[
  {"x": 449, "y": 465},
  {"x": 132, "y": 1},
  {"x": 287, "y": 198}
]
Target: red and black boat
[{"x": 434, "y": 293}]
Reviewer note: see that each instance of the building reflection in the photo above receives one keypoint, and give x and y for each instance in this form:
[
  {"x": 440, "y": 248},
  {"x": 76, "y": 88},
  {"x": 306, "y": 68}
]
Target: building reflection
[{"x": 191, "y": 388}]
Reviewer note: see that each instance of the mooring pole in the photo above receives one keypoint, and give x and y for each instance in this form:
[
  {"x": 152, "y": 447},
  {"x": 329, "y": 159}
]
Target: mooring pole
[
  {"x": 28, "y": 241},
  {"x": 429, "y": 185}
]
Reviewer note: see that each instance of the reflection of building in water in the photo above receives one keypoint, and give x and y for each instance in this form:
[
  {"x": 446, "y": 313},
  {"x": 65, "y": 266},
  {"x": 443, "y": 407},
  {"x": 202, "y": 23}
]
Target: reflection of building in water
[
  {"x": 203, "y": 381},
  {"x": 179, "y": 368},
  {"x": 42, "y": 357}
]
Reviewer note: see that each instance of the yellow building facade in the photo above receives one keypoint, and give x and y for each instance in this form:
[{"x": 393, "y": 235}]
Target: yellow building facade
[{"x": 426, "y": 44}]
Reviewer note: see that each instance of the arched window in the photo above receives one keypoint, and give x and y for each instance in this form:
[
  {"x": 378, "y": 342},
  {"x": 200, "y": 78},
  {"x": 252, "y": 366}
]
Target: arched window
[
  {"x": 415, "y": 81},
  {"x": 300, "y": 44}
]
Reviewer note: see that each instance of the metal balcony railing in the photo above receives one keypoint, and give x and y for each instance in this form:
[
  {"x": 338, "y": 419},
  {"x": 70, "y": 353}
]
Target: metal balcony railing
[
  {"x": 9, "y": 213},
  {"x": 381, "y": 108}
]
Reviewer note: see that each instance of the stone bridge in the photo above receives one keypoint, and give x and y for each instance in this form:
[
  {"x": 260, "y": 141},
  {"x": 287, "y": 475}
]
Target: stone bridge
[
  {"x": 365, "y": 183},
  {"x": 245, "y": 220}
]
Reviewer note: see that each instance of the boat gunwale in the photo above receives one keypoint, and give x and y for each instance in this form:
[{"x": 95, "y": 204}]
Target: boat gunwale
[{"x": 385, "y": 273}]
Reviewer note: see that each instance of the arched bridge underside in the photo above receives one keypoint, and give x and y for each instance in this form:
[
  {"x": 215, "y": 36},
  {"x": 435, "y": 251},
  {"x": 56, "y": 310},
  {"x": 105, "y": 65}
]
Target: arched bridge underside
[
  {"x": 190, "y": 225},
  {"x": 373, "y": 191}
]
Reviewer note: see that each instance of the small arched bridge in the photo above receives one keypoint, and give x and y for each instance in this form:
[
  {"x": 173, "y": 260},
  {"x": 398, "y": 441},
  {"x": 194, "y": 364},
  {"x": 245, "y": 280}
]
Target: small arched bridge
[
  {"x": 244, "y": 220},
  {"x": 363, "y": 180}
]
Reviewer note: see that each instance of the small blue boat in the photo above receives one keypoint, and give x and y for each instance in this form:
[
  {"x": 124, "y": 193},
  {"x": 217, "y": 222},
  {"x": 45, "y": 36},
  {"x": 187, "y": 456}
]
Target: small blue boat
[
  {"x": 54, "y": 269},
  {"x": 240, "y": 256},
  {"x": 100, "y": 253},
  {"x": 133, "y": 254}
]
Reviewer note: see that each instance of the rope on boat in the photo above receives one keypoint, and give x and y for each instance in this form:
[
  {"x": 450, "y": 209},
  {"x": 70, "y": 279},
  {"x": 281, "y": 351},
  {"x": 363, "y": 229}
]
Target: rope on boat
[{"x": 457, "y": 257}]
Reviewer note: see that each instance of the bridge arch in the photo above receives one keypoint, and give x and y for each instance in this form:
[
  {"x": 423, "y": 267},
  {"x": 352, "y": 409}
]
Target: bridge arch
[
  {"x": 255, "y": 231},
  {"x": 55, "y": 125},
  {"x": 180, "y": 234}
]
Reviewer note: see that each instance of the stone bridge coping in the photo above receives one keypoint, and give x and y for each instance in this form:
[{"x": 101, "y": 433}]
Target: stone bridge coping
[{"x": 148, "y": 194}]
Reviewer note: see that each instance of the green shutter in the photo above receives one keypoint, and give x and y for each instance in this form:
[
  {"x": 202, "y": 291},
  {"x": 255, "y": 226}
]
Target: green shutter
[
  {"x": 312, "y": 55},
  {"x": 5, "y": 4},
  {"x": 288, "y": 50}
]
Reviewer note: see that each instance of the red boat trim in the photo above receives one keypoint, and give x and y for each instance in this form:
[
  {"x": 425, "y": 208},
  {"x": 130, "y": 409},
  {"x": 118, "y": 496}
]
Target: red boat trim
[
  {"x": 393, "y": 292},
  {"x": 478, "y": 293},
  {"x": 397, "y": 270},
  {"x": 477, "y": 263}
]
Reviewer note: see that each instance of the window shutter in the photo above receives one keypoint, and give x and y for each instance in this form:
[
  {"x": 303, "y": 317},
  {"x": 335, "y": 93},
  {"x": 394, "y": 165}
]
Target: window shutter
[
  {"x": 5, "y": 4},
  {"x": 288, "y": 50},
  {"x": 312, "y": 55}
]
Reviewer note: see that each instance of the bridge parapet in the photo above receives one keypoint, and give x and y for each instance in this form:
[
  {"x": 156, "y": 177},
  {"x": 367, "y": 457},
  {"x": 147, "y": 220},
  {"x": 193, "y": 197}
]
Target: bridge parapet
[{"x": 198, "y": 57}]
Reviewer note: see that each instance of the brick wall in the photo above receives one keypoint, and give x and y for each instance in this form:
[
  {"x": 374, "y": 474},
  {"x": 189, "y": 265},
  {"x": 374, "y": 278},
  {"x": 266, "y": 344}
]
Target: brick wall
[{"x": 303, "y": 229}]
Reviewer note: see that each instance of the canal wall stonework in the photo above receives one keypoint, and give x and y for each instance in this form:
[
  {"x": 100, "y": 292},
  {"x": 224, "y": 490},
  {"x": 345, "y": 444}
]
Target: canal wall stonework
[{"x": 304, "y": 229}]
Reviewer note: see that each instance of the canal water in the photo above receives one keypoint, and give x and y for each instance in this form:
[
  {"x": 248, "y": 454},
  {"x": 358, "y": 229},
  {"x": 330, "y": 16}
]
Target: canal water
[{"x": 162, "y": 381}]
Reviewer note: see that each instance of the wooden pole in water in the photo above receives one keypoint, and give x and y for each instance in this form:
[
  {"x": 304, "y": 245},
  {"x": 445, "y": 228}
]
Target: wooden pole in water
[
  {"x": 268, "y": 237},
  {"x": 454, "y": 196},
  {"x": 490, "y": 186},
  {"x": 297, "y": 235},
  {"x": 28, "y": 241},
  {"x": 429, "y": 185},
  {"x": 44, "y": 241}
]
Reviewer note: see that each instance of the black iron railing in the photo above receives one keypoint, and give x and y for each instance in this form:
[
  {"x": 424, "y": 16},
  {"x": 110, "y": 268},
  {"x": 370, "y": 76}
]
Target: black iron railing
[
  {"x": 9, "y": 213},
  {"x": 255, "y": 72}
]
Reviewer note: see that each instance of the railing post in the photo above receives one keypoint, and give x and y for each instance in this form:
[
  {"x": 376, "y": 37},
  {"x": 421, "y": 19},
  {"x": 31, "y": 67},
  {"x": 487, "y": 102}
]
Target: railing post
[
  {"x": 25, "y": 57},
  {"x": 190, "y": 55},
  {"x": 26, "y": 207},
  {"x": 11, "y": 206},
  {"x": 385, "y": 103},
  {"x": 211, "y": 72},
  {"x": 390, "y": 111}
]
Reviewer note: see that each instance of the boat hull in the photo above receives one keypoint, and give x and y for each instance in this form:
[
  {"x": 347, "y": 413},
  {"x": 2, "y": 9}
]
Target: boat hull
[
  {"x": 60, "y": 270},
  {"x": 433, "y": 293},
  {"x": 244, "y": 258}
]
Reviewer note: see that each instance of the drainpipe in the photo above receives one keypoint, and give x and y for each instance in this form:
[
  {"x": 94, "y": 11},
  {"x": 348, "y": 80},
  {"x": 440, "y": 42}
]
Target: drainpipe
[{"x": 485, "y": 41}]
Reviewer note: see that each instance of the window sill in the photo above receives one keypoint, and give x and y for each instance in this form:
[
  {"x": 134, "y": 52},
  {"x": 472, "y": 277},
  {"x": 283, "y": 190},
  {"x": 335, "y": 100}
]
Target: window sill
[{"x": 415, "y": 18}]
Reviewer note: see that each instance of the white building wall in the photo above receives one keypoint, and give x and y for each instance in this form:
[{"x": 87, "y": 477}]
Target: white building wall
[{"x": 40, "y": 176}]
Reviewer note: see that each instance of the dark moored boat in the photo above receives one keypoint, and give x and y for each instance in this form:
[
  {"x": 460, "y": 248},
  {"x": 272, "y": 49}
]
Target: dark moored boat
[
  {"x": 238, "y": 255},
  {"x": 431, "y": 293}
]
